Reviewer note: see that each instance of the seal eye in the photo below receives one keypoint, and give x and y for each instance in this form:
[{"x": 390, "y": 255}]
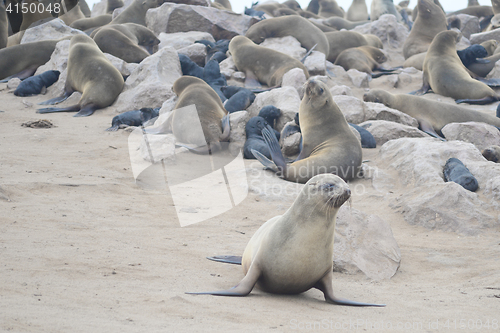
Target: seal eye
[{"x": 321, "y": 91}]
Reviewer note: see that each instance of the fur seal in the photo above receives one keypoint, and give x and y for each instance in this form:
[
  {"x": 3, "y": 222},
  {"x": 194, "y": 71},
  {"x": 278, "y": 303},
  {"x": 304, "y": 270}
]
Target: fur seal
[
  {"x": 288, "y": 256},
  {"x": 329, "y": 145},
  {"x": 71, "y": 11},
  {"x": 254, "y": 139},
  {"x": 363, "y": 58},
  {"x": 329, "y": 8},
  {"x": 113, "y": 4},
  {"x": 339, "y": 23},
  {"x": 31, "y": 17},
  {"x": 343, "y": 40},
  {"x": 136, "y": 12},
  {"x": 133, "y": 118},
  {"x": 214, "y": 78},
  {"x": 271, "y": 114},
  {"x": 239, "y": 101},
  {"x": 445, "y": 74},
  {"x": 483, "y": 68},
  {"x": 124, "y": 41},
  {"x": 189, "y": 67},
  {"x": 455, "y": 171},
  {"x": 4, "y": 26},
  {"x": 210, "y": 112},
  {"x": 267, "y": 65},
  {"x": 91, "y": 22},
  {"x": 91, "y": 73},
  {"x": 416, "y": 61},
  {"x": 431, "y": 22},
  {"x": 490, "y": 46},
  {"x": 478, "y": 11},
  {"x": 292, "y": 25},
  {"x": 358, "y": 11},
  {"x": 492, "y": 153},
  {"x": 35, "y": 84},
  {"x": 473, "y": 54},
  {"x": 381, "y": 7},
  {"x": 432, "y": 116}
]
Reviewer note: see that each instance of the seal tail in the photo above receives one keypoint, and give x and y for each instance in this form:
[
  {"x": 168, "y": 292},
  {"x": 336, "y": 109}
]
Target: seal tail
[{"x": 236, "y": 260}]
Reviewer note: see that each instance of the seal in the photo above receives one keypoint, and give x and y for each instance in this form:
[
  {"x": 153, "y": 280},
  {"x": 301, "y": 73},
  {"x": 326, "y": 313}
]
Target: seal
[
  {"x": 429, "y": 23},
  {"x": 358, "y": 11},
  {"x": 189, "y": 67},
  {"x": 35, "y": 84},
  {"x": 266, "y": 65},
  {"x": 381, "y": 7},
  {"x": 478, "y": 11},
  {"x": 490, "y": 46},
  {"x": 445, "y": 74},
  {"x": 31, "y": 17},
  {"x": 113, "y": 4},
  {"x": 291, "y": 25},
  {"x": 133, "y": 118},
  {"x": 432, "y": 116},
  {"x": 271, "y": 114},
  {"x": 215, "y": 79},
  {"x": 288, "y": 256},
  {"x": 136, "y": 12},
  {"x": 329, "y": 145},
  {"x": 210, "y": 112},
  {"x": 483, "y": 68},
  {"x": 363, "y": 58},
  {"x": 239, "y": 101},
  {"x": 71, "y": 11},
  {"x": 91, "y": 73},
  {"x": 343, "y": 40},
  {"x": 473, "y": 54},
  {"x": 91, "y": 22},
  {"x": 4, "y": 26},
  {"x": 124, "y": 41},
  {"x": 339, "y": 23},
  {"x": 255, "y": 140},
  {"x": 455, "y": 171},
  {"x": 416, "y": 61},
  {"x": 329, "y": 8},
  {"x": 492, "y": 154}
]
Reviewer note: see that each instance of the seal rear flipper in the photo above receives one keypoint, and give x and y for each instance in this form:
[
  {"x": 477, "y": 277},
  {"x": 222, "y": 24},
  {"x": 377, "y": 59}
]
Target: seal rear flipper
[
  {"x": 226, "y": 128},
  {"x": 86, "y": 111},
  {"x": 241, "y": 289},
  {"x": 274, "y": 148},
  {"x": 251, "y": 80},
  {"x": 268, "y": 164},
  {"x": 227, "y": 259},
  {"x": 57, "y": 99},
  {"x": 427, "y": 128},
  {"x": 490, "y": 82},
  {"x": 422, "y": 91},
  {"x": 325, "y": 285},
  {"x": 72, "y": 108},
  {"x": 112, "y": 129},
  {"x": 482, "y": 101}
]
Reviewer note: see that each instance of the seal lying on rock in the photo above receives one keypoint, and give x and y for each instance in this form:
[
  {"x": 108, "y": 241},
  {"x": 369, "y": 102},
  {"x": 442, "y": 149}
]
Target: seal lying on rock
[{"x": 455, "y": 171}]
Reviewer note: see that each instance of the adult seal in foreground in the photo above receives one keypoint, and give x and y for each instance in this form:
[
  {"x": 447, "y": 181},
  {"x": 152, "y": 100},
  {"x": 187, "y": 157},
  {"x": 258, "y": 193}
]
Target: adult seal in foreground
[
  {"x": 91, "y": 73},
  {"x": 329, "y": 145},
  {"x": 289, "y": 256}
]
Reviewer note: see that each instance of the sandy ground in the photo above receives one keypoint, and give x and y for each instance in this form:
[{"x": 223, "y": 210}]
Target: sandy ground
[{"x": 85, "y": 249}]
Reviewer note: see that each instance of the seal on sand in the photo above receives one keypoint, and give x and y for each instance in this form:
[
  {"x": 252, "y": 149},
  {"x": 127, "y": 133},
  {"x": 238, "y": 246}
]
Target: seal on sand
[
  {"x": 91, "y": 73},
  {"x": 287, "y": 255},
  {"x": 35, "y": 84},
  {"x": 266, "y": 65},
  {"x": 445, "y": 74},
  {"x": 432, "y": 116},
  {"x": 291, "y": 25},
  {"x": 133, "y": 118},
  {"x": 329, "y": 145}
]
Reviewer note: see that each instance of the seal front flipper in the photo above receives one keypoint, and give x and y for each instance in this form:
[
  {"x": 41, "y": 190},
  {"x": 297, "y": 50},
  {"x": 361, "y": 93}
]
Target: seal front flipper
[
  {"x": 57, "y": 99},
  {"x": 274, "y": 148},
  {"x": 422, "y": 91},
  {"x": 251, "y": 80},
  {"x": 227, "y": 259},
  {"x": 308, "y": 53},
  {"x": 241, "y": 289},
  {"x": 267, "y": 163},
  {"x": 325, "y": 285}
]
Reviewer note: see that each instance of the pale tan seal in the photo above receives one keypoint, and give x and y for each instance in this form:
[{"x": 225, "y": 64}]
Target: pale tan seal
[
  {"x": 92, "y": 22},
  {"x": 478, "y": 11},
  {"x": 490, "y": 46},
  {"x": 432, "y": 116},
  {"x": 113, "y": 4},
  {"x": 136, "y": 12},
  {"x": 343, "y": 40},
  {"x": 381, "y": 7},
  {"x": 268, "y": 66},
  {"x": 124, "y": 41},
  {"x": 416, "y": 61},
  {"x": 210, "y": 112},
  {"x": 362, "y": 58},
  {"x": 339, "y": 23},
  {"x": 292, "y": 253},
  {"x": 492, "y": 153},
  {"x": 429, "y": 23},
  {"x": 291, "y": 25},
  {"x": 358, "y": 11},
  {"x": 329, "y": 8},
  {"x": 31, "y": 17},
  {"x": 445, "y": 74},
  {"x": 71, "y": 11},
  {"x": 91, "y": 73},
  {"x": 328, "y": 146}
]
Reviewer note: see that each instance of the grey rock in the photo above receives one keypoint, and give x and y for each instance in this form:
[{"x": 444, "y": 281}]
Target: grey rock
[
  {"x": 196, "y": 52},
  {"x": 315, "y": 63},
  {"x": 484, "y": 36},
  {"x": 479, "y": 134},
  {"x": 341, "y": 90},
  {"x": 384, "y": 131},
  {"x": 378, "y": 111},
  {"x": 351, "y": 107},
  {"x": 288, "y": 45},
  {"x": 359, "y": 79},
  {"x": 54, "y": 29},
  {"x": 391, "y": 33},
  {"x": 469, "y": 25},
  {"x": 295, "y": 78},
  {"x": 180, "y": 40},
  {"x": 291, "y": 144},
  {"x": 237, "y": 137}
]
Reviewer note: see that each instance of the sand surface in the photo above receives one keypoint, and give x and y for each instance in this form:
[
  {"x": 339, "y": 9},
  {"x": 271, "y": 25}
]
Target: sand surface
[{"x": 85, "y": 249}]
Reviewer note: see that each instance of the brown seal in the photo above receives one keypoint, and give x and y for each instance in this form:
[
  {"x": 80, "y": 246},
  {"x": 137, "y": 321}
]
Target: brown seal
[
  {"x": 482, "y": 69},
  {"x": 291, "y": 25},
  {"x": 339, "y": 23},
  {"x": 31, "y": 17},
  {"x": 490, "y": 46},
  {"x": 445, "y": 74},
  {"x": 123, "y": 40},
  {"x": 328, "y": 146},
  {"x": 287, "y": 255},
  {"x": 267, "y": 65},
  {"x": 416, "y": 61},
  {"x": 429, "y": 23},
  {"x": 136, "y": 12},
  {"x": 363, "y": 58},
  {"x": 358, "y": 11},
  {"x": 329, "y": 8},
  {"x": 92, "y": 22},
  {"x": 91, "y": 73},
  {"x": 113, "y": 4},
  {"x": 343, "y": 40},
  {"x": 432, "y": 116},
  {"x": 381, "y": 7},
  {"x": 492, "y": 153},
  {"x": 209, "y": 110},
  {"x": 478, "y": 11},
  {"x": 70, "y": 11}
]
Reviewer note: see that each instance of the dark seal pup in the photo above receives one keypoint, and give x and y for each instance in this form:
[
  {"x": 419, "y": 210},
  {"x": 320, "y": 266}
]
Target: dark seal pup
[
  {"x": 35, "y": 84},
  {"x": 455, "y": 171}
]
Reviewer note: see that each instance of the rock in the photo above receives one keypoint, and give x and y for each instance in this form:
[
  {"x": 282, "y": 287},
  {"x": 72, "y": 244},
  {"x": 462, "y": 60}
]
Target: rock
[
  {"x": 13, "y": 83},
  {"x": 295, "y": 78},
  {"x": 365, "y": 243},
  {"x": 384, "y": 131},
  {"x": 378, "y": 111},
  {"x": 315, "y": 63},
  {"x": 221, "y": 24},
  {"x": 341, "y": 90},
  {"x": 484, "y": 36},
  {"x": 338, "y": 74},
  {"x": 359, "y": 79},
  {"x": 391, "y": 33},
  {"x": 168, "y": 105},
  {"x": 288, "y": 45},
  {"x": 492, "y": 189},
  {"x": 161, "y": 147},
  {"x": 469, "y": 25},
  {"x": 351, "y": 107},
  {"x": 124, "y": 67},
  {"x": 479, "y": 134},
  {"x": 58, "y": 60},
  {"x": 196, "y": 52},
  {"x": 227, "y": 67},
  {"x": 150, "y": 84},
  {"x": 54, "y": 29},
  {"x": 285, "y": 98},
  {"x": 180, "y": 40},
  {"x": 291, "y": 144},
  {"x": 237, "y": 137},
  {"x": 463, "y": 43}
]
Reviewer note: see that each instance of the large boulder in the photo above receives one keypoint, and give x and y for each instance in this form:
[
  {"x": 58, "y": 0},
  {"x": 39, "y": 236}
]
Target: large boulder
[
  {"x": 384, "y": 131},
  {"x": 288, "y": 45},
  {"x": 54, "y": 29},
  {"x": 180, "y": 40},
  {"x": 479, "y": 134}
]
